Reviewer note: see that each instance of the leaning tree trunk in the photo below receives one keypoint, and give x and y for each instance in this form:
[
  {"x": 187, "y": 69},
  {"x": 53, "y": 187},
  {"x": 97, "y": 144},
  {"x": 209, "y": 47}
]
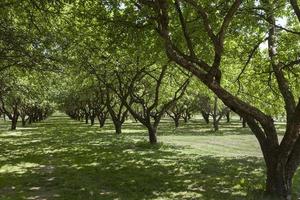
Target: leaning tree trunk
[{"x": 152, "y": 134}]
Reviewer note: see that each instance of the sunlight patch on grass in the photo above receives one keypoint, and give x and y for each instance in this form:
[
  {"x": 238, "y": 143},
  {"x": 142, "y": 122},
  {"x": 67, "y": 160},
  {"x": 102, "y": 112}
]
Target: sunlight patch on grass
[
  {"x": 18, "y": 133},
  {"x": 80, "y": 161},
  {"x": 20, "y": 168},
  {"x": 93, "y": 164},
  {"x": 178, "y": 195},
  {"x": 11, "y": 133},
  {"x": 226, "y": 145}
]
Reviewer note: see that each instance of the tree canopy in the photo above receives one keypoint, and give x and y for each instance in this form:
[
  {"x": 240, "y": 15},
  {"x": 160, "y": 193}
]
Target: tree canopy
[{"x": 144, "y": 59}]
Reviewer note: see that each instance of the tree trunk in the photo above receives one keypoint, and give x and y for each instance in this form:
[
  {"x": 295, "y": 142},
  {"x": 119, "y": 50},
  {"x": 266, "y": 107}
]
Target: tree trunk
[
  {"x": 118, "y": 127},
  {"x": 14, "y": 122},
  {"x": 86, "y": 118},
  {"x": 152, "y": 135},
  {"x": 244, "y": 123},
  {"x": 101, "y": 119},
  {"x": 185, "y": 118},
  {"x": 205, "y": 117},
  {"x": 102, "y": 122},
  {"x": 279, "y": 182},
  {"x": 92, "y": 120},
  {"x": 189, "y": 116},
  {"x": 14, "y": 118},
  {"x": 40, "y": 117},
  {"x": 228, "y": 117},
  {"x": 216, "y": 125},
  {"x": 23, "y": 121},
  {"x": 176, "y": 120},
  {"x": 30, "y": 120}
]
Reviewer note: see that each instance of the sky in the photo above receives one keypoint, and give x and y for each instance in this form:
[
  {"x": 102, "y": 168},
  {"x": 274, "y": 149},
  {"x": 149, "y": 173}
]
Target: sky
[{"x": 280, "y": 22}]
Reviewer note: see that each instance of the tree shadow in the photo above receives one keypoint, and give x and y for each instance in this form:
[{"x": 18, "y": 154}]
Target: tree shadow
[{"x": 63, "y": 159}]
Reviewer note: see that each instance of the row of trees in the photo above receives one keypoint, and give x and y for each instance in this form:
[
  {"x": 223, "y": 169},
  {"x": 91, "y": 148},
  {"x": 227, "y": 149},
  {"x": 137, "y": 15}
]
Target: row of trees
[
  {"x": 148, "y": 94},
  {"x": 254, "y": 21},
  {"x": 87, "y": 102},
  {"x": 29, "y": 57},
  {"x": 22, "y": 98},
  {"x": 236, "y": 49},
  {"x": 140, "y": 56}
]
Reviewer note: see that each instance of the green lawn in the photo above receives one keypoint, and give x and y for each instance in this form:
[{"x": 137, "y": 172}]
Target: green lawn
[{"x": 64, "y": 159}]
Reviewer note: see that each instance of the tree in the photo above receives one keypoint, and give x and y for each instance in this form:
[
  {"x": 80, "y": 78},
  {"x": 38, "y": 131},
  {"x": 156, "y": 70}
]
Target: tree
[
  {"x": 282, "y": 159},
  {"x": 176, "y": 112},
  {"x": 22, "y": 95},
  {"x": 141, "y": 93}
]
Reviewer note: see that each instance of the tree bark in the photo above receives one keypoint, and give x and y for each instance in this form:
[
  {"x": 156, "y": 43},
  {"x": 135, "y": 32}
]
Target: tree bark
[
  {"x": 176, "y": 121},
  {"x": 101, "y": 120},
  {"x": 262, "y": 125},
  {"x": 30, "y": 120},
  {"x": 216, "y": 125},
  {"x": 101, "y": 116},
  {"x": 86, "y": 118},
  {"x": 185, "y": 118},
  {"x": 228, "y": 117},
  {"x": 152, "y": 135},
  {"x": 14, "y": 122},
  {"x": 23, "y": 121},
  {"x": 205, "y": 117},
  {"x": 279, "y": 182},
  {"x": 118, "y": 127},
  {"x": 92, "y": 120}
]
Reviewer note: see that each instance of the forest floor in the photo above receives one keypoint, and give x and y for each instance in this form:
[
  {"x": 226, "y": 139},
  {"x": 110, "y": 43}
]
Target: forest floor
[{"x": 69, "y": 160}]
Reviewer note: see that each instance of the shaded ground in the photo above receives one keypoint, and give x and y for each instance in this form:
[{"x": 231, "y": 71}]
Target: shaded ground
[{"x": 64, "y": 159}]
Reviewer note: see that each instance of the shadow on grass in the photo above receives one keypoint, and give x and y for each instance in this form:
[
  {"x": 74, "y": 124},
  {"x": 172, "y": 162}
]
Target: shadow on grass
[{"x": 63, "y": 159}]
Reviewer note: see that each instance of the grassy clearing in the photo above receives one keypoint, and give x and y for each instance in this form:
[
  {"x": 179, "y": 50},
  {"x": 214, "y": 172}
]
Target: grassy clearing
[{"x": 63, "y": 159}]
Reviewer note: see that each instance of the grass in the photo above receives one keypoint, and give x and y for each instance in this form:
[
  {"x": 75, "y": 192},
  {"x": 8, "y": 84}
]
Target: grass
[{"x": 68, "y": 160}]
